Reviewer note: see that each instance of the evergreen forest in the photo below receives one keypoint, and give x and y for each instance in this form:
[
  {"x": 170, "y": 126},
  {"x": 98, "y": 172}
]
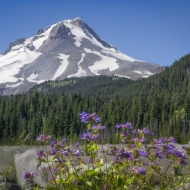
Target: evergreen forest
[{"x": 161, "y": 103}]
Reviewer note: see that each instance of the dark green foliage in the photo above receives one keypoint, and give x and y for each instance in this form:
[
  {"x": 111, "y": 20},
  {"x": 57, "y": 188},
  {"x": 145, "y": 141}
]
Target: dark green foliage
[{"x": 160, "y": 102}]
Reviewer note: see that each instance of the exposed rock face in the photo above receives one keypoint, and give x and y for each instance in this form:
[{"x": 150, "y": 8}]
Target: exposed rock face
[
  {"x": 66, "y": 49},
  {"x": 12, "y": 44},
  {"x": 40, "y": 31}
]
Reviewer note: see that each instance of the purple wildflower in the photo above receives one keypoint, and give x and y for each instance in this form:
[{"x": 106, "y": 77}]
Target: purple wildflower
[
  {"x": 128, "y": 125},
  {"x": 183, "y": 162},
  {"x": 39, "y": 154},
  {"x": 160, "y": 154},
  {"x": 87, "y": 135},
  {"x": 143, "y": 153},
  {"x": 180, "y": 153},
  {"x": 135, "y": 139},
  {"x": 143, "y": 140},
  {"x": 64, "y": 141},
  {"x": 53, "y": 143},
  {"x": 97, "y": 159},
  {"x": 65, "y": 152},
  {"x": 118, "y": 126},
  {"x": 86, "y": 117},
  {"x": 126, "y": 154},
  {"x": 43, "y": 138},
  {"x": 29, "y": 175},
  {"x": 77, "y": 144},
  {"x": 135, "y": 131},
  {"x": 53, "y": 151},
  {"x": 141, "y": 171},
  {"x": 184, "y": 147},
  {"x": 76, "y": 153},
  {"x": 169, "y": 148},
  {"x": 93, "y": 127},
  {"x": 90, "y": 136},
  {"x": 90, "y": 160},
  {"x": 147, "y": 132},
  {"x": 101, "y": 127},
  {"x": 54, "y": 170},
  {"x": 117, "y": 159},
  {"x": 171, "y": 140},
  {"x": 124, "y": 134},
  {"x": 160, "y": 141}
]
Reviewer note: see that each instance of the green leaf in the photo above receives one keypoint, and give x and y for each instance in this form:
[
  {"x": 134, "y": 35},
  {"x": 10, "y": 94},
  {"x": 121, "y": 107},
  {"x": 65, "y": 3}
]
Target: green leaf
[
  {"x": 89, "y": 183},
  {"x": 119, "y": 181},
  {"x": 88, "y": 126},
  {"x": 97, "y": 170},
  {"x": 90, "y": 172}
]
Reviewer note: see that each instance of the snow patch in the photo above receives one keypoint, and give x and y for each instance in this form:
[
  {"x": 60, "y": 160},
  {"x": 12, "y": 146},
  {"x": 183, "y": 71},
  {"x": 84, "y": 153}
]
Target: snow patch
[
  {"x": 106, "y": 63},
  {"x": 80, "y": 71},
  {"x": 62, "y": 67},
  {"x": 139, "y": 72},
  {"x": 15, "y": 85},
  {"x": 125, "y": 76},
  {"x": 16, "y": 47},
  {"x": 148, "y": 73},
  {"x": 32, "y": 78},
  {"x": 118, "y": 54},
  {"x": 144, "y": 74}
]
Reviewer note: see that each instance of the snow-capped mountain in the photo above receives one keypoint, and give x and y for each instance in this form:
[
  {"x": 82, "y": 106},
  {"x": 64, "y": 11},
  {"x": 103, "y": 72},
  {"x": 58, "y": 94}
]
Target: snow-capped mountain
[{"x": 66, "y": 49}]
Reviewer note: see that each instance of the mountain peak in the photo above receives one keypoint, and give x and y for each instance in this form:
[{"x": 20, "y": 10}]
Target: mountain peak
[
  {"x": 66, "y": 49},
  {"x": 77, "y": 18}
]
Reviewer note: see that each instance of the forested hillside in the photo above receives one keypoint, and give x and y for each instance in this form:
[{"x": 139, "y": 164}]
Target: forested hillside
[
  {"x": 160, "y": 102},
  {"x": 101, "y": 86}
]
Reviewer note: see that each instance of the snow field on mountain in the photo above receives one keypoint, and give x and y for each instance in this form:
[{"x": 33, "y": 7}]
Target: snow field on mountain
[
  {"x": 79, "y": 34},
  {"x": 102, "y": 64},
  {"x": 12, "y": 62},
  {"x": 80, "y": 71},
  {"x": 64, "y": 63}
]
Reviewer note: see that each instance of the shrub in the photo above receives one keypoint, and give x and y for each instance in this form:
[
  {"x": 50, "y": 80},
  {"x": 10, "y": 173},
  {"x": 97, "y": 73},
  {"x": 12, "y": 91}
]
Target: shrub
[{"x": 137, "y": 161}]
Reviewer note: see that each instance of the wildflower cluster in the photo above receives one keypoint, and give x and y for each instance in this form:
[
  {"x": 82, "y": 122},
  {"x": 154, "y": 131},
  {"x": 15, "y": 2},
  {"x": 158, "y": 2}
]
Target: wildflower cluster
[{"x": 132, "y": 164}]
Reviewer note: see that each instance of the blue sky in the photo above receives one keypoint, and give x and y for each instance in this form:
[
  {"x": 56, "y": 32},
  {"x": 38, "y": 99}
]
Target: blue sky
[{"x": 156, "y": 31}]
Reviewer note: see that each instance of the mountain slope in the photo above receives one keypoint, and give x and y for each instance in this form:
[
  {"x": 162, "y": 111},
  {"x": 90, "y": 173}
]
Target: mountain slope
[
  {"x": 160, "y": 103},
  {"x": 66, "y": 49}
]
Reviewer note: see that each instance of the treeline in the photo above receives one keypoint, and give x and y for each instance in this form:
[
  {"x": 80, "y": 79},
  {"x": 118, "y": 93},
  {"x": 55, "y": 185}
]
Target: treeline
[{"x": 160, "y": 102}]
